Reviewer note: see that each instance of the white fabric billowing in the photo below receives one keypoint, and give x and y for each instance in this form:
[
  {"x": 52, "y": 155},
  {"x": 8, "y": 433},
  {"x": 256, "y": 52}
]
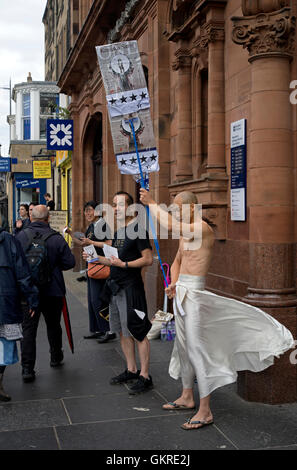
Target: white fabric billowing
[{"x": 217, "y": 336}]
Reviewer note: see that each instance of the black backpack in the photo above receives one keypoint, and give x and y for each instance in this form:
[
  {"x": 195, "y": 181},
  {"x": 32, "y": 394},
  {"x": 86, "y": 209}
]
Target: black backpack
[{"x": 37, "y": 257}]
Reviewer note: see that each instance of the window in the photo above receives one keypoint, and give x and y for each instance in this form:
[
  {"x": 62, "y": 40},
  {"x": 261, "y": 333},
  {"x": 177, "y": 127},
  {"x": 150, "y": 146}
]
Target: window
[
  {"x": 26, "y": 117},
  {"x": 49, "y": 103}
]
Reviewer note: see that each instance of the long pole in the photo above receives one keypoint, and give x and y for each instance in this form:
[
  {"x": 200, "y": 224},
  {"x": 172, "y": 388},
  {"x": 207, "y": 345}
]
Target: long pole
[
  {"x": 8, "y": 88},
  {"x": 142, "y": 183}
]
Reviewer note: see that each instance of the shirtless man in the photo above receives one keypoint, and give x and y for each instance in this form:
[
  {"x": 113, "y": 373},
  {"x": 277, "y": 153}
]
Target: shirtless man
[
  {"x": 215, "y": 336},
  {"x": 191, "y": 262}
]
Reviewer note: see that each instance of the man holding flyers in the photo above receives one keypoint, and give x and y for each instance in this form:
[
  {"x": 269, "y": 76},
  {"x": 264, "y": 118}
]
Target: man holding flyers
[{"x": 125, "y": 291}]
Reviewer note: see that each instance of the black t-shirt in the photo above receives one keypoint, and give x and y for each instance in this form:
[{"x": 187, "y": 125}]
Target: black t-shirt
[
  {"x": 98, "y": 232},
  {"x": 130, "y": 241},
  {"x": 51, "y": 205}
]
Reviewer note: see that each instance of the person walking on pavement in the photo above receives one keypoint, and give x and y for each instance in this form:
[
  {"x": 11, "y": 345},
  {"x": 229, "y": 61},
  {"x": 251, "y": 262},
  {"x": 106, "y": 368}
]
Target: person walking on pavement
[
  {"x": 31, "y": 205},
  {"x": 215, "y": 336},
  {"x": 23, "y": 221},
  {"x": 125, "y": 290},
  {"x": 98, "y": 326},
  {"x": 58, "y": 258},
  {"x": 50, "y": 203},
  {"x": 15, "y": 282}
]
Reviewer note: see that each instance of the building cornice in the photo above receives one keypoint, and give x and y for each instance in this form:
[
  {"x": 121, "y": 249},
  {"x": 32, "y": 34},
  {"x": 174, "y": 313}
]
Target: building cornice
[{"x": 100, "y": 19}]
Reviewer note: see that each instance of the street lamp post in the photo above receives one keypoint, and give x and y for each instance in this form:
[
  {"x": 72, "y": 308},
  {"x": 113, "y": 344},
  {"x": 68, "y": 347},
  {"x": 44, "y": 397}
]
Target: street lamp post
[{"x": 8, "y": 88}]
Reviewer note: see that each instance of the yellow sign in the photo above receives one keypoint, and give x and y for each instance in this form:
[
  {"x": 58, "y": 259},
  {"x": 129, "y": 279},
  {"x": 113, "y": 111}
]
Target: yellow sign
[
  {"x": 42, "y": 169},
  {"x": 61, "y": 156}
]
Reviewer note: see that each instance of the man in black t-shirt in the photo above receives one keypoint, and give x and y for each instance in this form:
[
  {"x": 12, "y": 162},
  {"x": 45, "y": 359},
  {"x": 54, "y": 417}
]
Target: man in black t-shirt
[
  {"x": 49, "y": 202},
  {"x": 128, "y": 309}
]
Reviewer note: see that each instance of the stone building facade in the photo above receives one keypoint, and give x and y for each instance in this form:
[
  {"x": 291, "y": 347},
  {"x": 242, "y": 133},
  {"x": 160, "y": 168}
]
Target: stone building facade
[{"x": 209, "y": 63}]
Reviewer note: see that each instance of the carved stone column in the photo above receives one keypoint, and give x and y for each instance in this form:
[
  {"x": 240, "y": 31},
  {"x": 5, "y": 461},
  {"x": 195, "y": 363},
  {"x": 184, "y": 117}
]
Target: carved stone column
[
  {"x": 212, "y": 37},
  {"x": 77, "y": 202},
  {"x": 183, "y": 65},
  {"x": 269, "y": 37}
]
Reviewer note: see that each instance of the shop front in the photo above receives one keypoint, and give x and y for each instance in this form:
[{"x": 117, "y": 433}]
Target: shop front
[{"x": 26, "y": 189}]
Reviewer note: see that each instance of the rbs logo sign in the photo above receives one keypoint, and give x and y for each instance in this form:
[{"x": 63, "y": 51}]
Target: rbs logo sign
[{"x": 59, "y": 134}]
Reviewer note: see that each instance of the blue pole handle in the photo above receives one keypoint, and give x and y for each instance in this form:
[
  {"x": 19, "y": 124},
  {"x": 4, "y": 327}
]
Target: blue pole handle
[{"x": 142, "y": 184}]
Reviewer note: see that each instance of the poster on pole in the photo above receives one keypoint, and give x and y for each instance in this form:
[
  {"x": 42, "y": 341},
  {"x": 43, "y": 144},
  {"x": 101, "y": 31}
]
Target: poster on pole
[{"x": 127, "y": 97}]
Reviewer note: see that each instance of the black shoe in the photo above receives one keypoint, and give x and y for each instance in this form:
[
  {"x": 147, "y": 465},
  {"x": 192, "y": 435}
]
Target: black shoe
[
  {"x": 81, "y": 279},
  {"x": 57, "y": 359},
  {"x": 142, "y": 385},
  {"x": 124, "y": 377},
  {"x": 107, "y": 337},
  {"x": 28, "y": 374},
  {"x": 94, "y": 336}
]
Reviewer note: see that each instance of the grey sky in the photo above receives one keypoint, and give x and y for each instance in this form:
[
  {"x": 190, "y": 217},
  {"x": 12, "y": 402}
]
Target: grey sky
[{"x": 21, "y": 51}]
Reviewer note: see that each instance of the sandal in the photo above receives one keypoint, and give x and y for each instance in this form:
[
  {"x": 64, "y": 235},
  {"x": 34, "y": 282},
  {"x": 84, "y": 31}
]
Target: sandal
[
  {"x": 175, "y": 406},
  {"x": 203, "y": 423}
]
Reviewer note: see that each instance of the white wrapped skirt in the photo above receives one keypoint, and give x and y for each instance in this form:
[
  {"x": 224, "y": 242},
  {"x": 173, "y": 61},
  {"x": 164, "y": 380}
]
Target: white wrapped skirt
[{"x": 216, "y": 337}]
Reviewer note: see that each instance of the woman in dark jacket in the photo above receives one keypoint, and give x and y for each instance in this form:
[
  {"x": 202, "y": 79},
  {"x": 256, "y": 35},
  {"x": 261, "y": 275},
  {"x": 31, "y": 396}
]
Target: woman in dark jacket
[
  {"x": 15, "y": 282},
  {"x": 99, "y": 327},
  {"x": 24, "y": 220}
]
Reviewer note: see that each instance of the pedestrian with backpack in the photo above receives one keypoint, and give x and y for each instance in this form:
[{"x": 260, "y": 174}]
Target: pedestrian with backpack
[
  {"x": 48, "y": 255},
  {"x": 15, "y": 283}
]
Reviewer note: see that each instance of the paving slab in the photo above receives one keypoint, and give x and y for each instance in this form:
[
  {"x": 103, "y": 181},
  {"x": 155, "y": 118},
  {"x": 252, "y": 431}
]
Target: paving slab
[
  {"x": 120, "y": 406},
  {"x": 157, "y": 433},
  {"x": 32, "y": 414},
  {"x": 29, "y": 439},
  {"x": 255, "y": 426}
]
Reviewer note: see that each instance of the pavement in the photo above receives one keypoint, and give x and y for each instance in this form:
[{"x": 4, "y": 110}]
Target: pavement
[{"x": 74, "y": 407}]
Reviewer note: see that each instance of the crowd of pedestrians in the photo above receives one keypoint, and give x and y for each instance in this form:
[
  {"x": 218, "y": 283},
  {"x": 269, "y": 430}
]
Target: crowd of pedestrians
[
  {"x": 213, "y": 333},
  {"x": 35, "y": 257}
]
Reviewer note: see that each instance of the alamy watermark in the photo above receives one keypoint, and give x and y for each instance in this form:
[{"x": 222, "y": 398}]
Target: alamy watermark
[
  {"x": 293, "y": 94},
  {"x": 165, "y": 222}
]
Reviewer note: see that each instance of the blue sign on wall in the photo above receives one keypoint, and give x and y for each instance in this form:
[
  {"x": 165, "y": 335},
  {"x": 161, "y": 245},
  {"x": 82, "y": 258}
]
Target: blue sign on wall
[
  {"x": 5, "y": 164},
  {"x": 26, "y": 183},
  {"x": 59, "y": 134},
  {"x": 238, "y": 170}
]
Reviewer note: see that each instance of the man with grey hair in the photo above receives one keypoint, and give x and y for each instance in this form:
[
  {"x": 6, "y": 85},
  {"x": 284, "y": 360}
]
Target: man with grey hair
[{"x": 56, "y": 257}]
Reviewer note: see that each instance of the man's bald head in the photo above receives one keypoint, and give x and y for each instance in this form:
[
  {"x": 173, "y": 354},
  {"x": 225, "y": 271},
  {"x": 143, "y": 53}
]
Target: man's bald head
[
  {"x": 186, "y": 197},
  {"x": 40, "y": 214}
]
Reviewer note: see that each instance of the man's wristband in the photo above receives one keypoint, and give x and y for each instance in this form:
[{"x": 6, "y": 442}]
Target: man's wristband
[{"x": 126, "y": 265}]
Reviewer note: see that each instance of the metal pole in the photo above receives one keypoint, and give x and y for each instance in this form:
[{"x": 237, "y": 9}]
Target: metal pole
[{"x": 142, "y": 184}]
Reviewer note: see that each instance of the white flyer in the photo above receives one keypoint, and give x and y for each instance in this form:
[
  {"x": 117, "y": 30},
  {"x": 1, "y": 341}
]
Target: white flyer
[
  {"x": 140, "y": 314},
  {"x": 90, "y": 250},
  {"x": 110, "y": 251}
]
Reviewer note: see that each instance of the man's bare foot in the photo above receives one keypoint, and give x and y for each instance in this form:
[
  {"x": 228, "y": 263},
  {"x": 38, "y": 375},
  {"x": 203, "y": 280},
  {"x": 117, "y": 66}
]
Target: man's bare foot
[
  {"x": 198, "y": 421},
  {"x": 180, "y": 404}
]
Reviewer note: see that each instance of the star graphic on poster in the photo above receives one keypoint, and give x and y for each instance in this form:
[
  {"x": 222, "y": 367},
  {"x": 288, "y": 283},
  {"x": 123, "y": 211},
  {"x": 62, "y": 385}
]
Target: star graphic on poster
[
  {"x": 143, "y": 95},
  {"x": 124, "y": 99},
  {"x": 113, "y": 101},
  {"x": 153, "y": 158},
  {"x": 143, "y": 159},
  {"x": 133, "y": 160},
  {"x": 123, "y": 162},
  {"x": 133, "y": 97}
]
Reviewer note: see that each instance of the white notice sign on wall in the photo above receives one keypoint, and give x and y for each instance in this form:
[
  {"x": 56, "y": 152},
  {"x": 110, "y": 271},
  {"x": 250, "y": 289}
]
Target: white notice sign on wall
[{"x": 238, "y": 204}]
